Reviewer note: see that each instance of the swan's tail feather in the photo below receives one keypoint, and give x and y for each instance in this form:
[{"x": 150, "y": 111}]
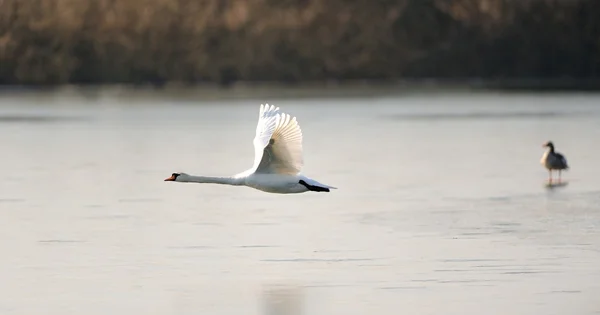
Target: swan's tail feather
[{"x": 313, "y": 187}]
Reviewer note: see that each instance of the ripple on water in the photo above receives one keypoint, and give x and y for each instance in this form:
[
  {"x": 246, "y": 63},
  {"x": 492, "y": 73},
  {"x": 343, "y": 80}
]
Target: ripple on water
[
  {"x": 261, "y": 223},
  {"x": 318, "y": 259},
  {"x": 194, "y": 247},
  {"x": 110, "y": 217},
  {"x": 37, "y": 119},
  {"x": 330, "y": 285},
  {"x": 140, "y": 200},
  {"x": 59, "y": 241},
  {"x": 403, "y": 288},
  {"x": 207, "y": 224},
  {"x": 257, "y": 246},
  {"x": 472, "y": 260},
  {"x": 565, "y": 291},
  {"x": 11, "y": 200},
  {"x": 472, "y": 115}
]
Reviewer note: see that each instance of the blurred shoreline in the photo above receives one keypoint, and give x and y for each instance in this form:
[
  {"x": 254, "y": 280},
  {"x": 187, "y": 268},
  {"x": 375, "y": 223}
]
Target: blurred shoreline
[{"x": 227, "y": 43}]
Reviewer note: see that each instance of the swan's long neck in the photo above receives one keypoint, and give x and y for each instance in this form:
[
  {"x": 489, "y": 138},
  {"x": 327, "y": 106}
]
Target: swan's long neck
[{"x": 213, "y": 180}]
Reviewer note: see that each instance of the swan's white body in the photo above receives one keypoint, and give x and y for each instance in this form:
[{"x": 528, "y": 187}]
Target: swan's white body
[{"x": 277, "y": 158}]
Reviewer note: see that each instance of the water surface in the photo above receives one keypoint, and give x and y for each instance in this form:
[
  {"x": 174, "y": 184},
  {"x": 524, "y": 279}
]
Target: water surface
[{"x": 441, "y": 207}]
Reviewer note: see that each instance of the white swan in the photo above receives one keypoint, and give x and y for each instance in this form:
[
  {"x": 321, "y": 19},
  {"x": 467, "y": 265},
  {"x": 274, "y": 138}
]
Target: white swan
[{"x": 277, "y": 159}]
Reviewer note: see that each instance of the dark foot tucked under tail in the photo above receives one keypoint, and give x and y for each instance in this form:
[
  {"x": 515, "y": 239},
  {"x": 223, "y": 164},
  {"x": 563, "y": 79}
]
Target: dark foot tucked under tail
[{"x": 313, "y": 188}]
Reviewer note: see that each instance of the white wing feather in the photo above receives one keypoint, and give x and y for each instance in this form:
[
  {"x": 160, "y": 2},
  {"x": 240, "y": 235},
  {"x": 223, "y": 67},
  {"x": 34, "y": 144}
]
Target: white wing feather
[{"x": 278, "y": 143}]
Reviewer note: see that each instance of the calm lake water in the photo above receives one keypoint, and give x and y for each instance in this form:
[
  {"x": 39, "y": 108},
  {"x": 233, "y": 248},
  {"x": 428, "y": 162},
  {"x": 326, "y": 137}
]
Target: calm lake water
[{"x": 441, "y": 207}]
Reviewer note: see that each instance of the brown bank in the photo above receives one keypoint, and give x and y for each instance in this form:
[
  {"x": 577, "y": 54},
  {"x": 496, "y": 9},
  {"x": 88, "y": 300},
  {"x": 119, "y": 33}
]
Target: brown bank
[{"x": 47, "y": 42}]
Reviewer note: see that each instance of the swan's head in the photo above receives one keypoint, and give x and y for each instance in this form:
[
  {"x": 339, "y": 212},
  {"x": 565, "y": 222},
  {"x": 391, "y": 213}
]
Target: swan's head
[
  {"x": 548, "y": 144},
  {"x": 177, "y": 177}
]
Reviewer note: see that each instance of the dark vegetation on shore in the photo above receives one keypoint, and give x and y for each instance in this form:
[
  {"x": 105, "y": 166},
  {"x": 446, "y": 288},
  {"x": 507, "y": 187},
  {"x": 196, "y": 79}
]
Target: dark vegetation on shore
[{"x": 47, "y": 42}]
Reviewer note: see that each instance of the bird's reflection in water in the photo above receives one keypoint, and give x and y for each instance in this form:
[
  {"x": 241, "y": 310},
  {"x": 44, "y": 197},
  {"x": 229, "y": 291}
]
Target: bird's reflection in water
[{"x": 283, "y": 300}]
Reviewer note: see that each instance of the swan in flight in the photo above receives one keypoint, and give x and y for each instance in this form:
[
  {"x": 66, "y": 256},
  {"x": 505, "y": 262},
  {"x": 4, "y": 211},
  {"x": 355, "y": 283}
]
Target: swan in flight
[
  {"x": 277, "y": 159},
  {"x": 553, "y": 161}
]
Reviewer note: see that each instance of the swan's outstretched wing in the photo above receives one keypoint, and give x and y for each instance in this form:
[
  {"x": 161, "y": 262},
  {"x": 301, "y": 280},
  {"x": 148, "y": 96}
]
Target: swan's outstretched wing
[{"x": 278, "y": 142}]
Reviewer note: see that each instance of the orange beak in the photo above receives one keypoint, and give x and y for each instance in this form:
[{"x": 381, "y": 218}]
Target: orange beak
[{"x": 170, "y": 179}]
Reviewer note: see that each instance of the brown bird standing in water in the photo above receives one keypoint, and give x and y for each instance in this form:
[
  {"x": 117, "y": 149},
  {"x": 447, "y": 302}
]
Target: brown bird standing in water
[{"x": 553, "y": 160}]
